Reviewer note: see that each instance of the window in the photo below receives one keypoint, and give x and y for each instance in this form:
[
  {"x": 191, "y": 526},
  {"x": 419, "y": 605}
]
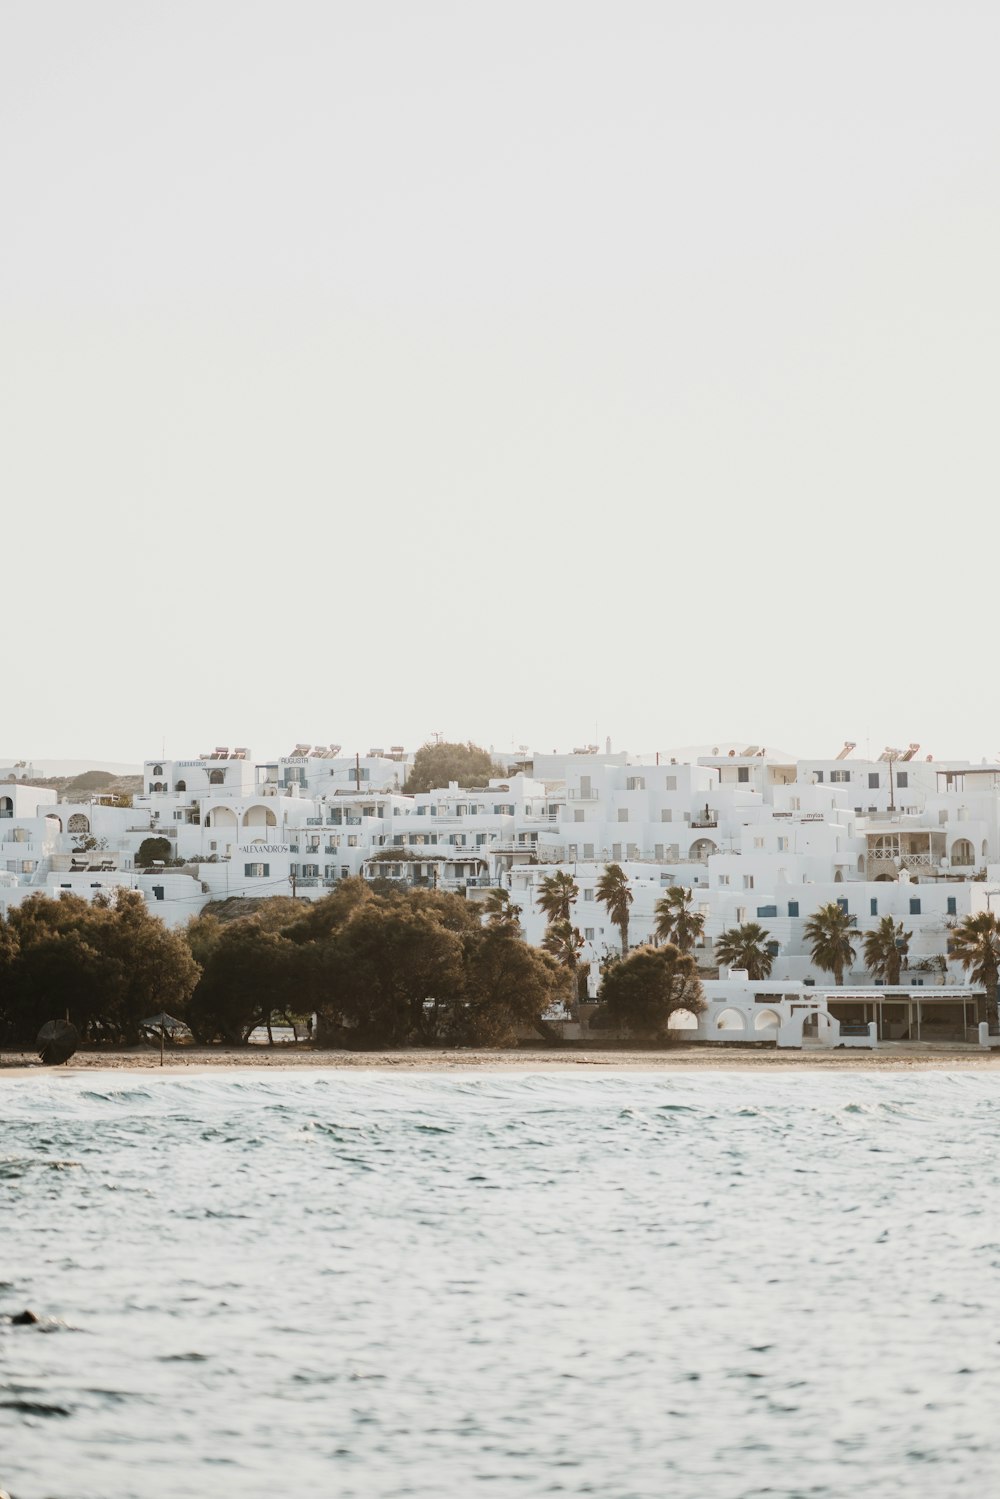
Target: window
[
  {"x": 588, "y": 933},
  {"x": 873, "y": 780},
  {"x": 743, "y": 772},
  {"x": 352, "y": 840},
  {"x": 256, "y": 871},
  {"x": 666, "y": 815},
  {"x": 819, "y": 775},
  {"x": 157, "y": 770},
  {"x": 873, "y": 906},
  {"x": 903, "y": 779},
  {"x": 914, "y": 905},
  {"x": 758, "y": 843},
  {"x": 795, "y": 803},
  {"x": 748, "y": 882},
  {"x": 616, "y": 852},
  {"x": 741, "y": 915},
  {"x": 671, "y": 783},
  {"x": 588, "y": 895},
  {"x": 577, "y": 814},
  {"x": 843, "y": 905},
  {"x": 588, "y": 850},
  {"x": 310, "y": 870},
  {"x": 782, "y": 845},
  {"x": 766, "y": 911},
  {"x": 181, "y": 786},
  {"x": 635, "y": 783},
  {"x": 623, "y": 814},
  {"x": 793, "y": 908},
  {"x": 839, "y": 775},
  {"x": 215, "y": 778},
  {"x": 723, "y": 879},
  {"x": 952, "y": 906}
]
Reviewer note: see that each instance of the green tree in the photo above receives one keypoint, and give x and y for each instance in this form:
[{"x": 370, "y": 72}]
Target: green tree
[
  {"x": 436, "y": 765},
  {"x": 975, "y": 942},
  {"x": 745, "y": 947},
  {"x": 507, "y": 988},
  {"x": 615, "y": 894},
  {"x": 562, "y": 942},
  {"x": 641, "y": 992},
  {"x": 675, "y": 920},
  {"x": 555, "y": 896},
  {"x": 387, "y": 973},
  {"x": 152, "y": 850},
  {"x": 249, "y": 975},
  {"x": 829, "y": 932},
  {"x": 886, "y": 947},
  {"x": 107, "y": 964}
]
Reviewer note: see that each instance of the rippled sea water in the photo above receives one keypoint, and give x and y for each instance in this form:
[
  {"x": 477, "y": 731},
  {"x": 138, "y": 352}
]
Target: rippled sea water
[{"x": 617, "y": 1285}]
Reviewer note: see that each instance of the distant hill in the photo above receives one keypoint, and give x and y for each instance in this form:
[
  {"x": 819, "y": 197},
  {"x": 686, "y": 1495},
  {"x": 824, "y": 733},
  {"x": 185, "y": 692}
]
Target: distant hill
[
  {"x": 17, "y": 768},
  {"x": 80, "y": 787}
]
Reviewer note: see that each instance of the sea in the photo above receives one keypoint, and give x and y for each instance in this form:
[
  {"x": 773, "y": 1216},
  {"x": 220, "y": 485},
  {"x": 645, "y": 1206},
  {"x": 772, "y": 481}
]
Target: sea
[{"x": 392, "y": 1283}]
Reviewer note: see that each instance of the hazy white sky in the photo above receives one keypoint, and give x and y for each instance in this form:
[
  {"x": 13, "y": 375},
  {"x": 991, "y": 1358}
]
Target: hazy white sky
[{"x": 519, "y": 371}]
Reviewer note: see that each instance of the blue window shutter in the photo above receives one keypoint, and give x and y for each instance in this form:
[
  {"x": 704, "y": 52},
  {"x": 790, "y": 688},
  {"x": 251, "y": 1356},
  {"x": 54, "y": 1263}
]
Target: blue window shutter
[
  {"x": 914, "y": 905},
  {"x": 793, "y": 908},
  {"x": 952, "y": 906},
  {"x": 874, "y": 906}
]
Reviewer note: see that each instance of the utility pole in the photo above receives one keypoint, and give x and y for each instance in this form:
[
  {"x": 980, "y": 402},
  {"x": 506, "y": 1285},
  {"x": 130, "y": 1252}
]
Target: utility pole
[
  {"x": 291, "y": 880},
  {"x": 357, "y": 770}
]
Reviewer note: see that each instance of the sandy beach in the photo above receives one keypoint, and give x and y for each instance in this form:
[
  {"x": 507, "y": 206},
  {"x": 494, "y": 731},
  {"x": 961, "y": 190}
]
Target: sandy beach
[{"x": 899, "y": 1056}]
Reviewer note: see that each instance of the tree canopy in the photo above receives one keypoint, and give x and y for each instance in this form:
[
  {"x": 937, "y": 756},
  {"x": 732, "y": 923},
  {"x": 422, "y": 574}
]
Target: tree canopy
[
  {"x": 107, "y": 964},
  {"x": 153, "y": 850},
  {"x": 435, "y": 765},
  {"x": 641, "y": 992}
]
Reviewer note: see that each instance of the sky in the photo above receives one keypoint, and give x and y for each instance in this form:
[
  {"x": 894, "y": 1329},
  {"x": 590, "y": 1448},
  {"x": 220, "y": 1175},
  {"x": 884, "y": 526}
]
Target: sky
[{"x": 534, "y": 373}]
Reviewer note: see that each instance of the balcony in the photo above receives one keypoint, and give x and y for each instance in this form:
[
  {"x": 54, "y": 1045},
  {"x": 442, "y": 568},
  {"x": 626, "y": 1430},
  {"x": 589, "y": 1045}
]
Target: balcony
[
  {"x": 704, "y": 822},
  {"x": 576, "y": 794}
]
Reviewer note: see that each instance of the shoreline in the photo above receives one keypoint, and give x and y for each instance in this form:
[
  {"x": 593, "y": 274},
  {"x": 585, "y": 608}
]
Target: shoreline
[{"x": 186, "y": 1061}]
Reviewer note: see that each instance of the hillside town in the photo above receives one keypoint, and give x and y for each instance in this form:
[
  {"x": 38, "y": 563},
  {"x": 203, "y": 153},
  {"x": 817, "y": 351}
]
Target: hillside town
[{"x": 755, "y": 836}]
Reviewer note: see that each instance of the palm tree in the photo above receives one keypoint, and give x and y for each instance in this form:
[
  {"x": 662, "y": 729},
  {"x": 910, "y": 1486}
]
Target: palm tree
[
  {"x": 563, "y": 941},
  {"x": 886, "y": 947},
  {"x": 556, "y": 894},
  {"x": 501, "y": 913},
  {"x": 828, "y": 929},
  {"x": 615, "y": 894},
  {"x": 975, "y": 942},
  {"x": 675, "y": 921},
  {"x": 746, "y": 947}
]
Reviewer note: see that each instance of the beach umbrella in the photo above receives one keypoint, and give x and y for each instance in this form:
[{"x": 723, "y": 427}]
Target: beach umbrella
[
  {"x": 164, "y": 1025},
  {"x": 57, "y": 1041}
]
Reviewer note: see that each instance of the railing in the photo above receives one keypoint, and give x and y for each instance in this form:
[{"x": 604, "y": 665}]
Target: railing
[
  {"x": 705, "y": 822},
  {"x": 574, "y": 794}
]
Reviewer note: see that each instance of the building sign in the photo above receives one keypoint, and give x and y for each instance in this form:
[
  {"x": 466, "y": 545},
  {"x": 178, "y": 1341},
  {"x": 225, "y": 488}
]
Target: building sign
[{"x": 263, "y": 848}]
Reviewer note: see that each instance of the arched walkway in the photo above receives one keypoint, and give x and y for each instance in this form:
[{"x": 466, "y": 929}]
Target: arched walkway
[
  {"x": 730, "y": 1020},
  {"x": 259, "y": 817},
  {"x": 222, "y": 817},
  {"x": 682, "y": 1020},
  {"x": 766, "y": 1020},
  {"x": 78, "y": 823}
]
